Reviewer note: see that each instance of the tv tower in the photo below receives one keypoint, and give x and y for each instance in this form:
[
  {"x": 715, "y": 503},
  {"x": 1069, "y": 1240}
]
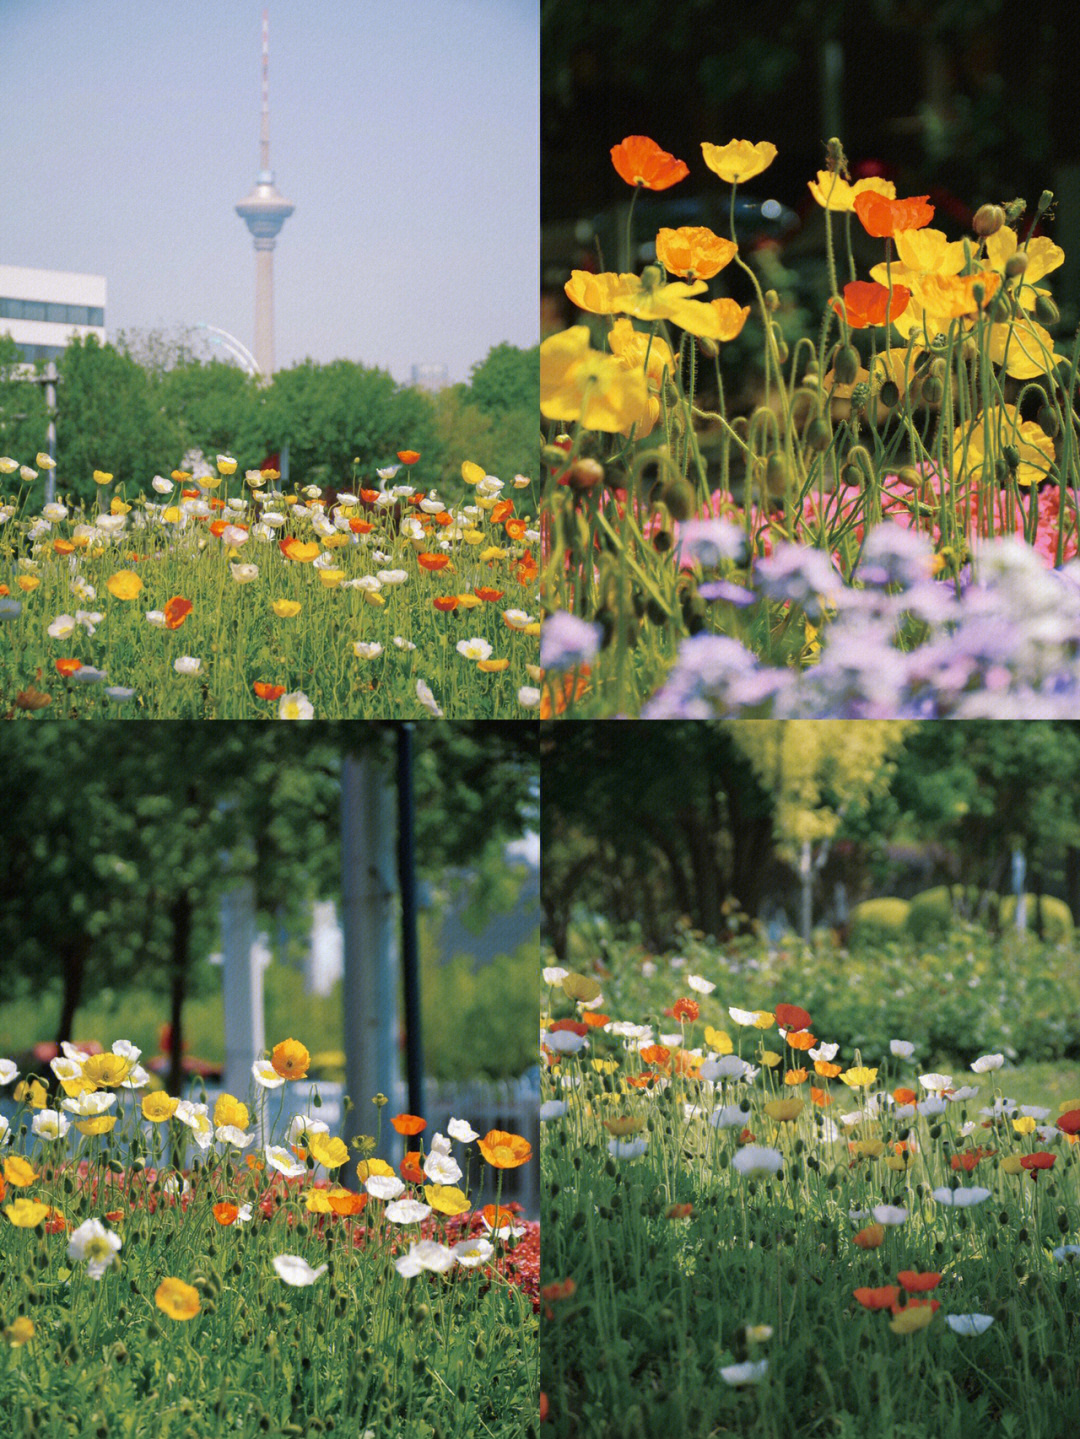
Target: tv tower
[{"x": 264, "y": 212}]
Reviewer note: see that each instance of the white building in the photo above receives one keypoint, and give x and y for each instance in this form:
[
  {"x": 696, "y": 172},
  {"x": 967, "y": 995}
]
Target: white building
[{"x": 42, "y": 309}]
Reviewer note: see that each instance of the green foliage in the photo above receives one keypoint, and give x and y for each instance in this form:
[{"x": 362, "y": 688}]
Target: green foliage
[
  {"x": 23, "y": 413},
  {"x": 876, "y": 920},
  {"x": 212, "y": 406},
  {"x": 1057, "y": 920},
  {"x": 932, "y": 913},
  {"x": 479, "y": 1023},
  {"x": 330, "y": 415},
  {"x": 109, "y": 417},
  {"x": 506, "y": 379}
]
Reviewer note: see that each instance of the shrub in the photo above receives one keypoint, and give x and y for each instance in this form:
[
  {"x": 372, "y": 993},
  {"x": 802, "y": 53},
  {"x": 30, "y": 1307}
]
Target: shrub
[
  {"x": 1057, "y": 920},
  {"x": 877, "y": 920}
]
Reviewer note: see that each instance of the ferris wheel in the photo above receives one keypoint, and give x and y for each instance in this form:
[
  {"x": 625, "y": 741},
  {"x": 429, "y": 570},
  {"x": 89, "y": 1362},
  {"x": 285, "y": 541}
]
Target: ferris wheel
[{"x": 215, "y": 344}]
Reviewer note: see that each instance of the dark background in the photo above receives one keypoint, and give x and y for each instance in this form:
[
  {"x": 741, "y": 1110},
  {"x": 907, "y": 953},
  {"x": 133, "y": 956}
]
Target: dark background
[{"x": 969, "y": 100}]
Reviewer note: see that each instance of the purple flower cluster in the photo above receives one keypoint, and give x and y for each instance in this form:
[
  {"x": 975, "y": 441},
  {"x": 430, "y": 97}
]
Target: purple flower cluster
[{"x": 1002, "y": 644}]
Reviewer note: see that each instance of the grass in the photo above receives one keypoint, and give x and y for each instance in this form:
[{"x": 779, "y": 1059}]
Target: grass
[
  {"x": 361, "y": 1350},
  {"x": 408, "y": 585},
  {"x": 662, "y": 1261}
]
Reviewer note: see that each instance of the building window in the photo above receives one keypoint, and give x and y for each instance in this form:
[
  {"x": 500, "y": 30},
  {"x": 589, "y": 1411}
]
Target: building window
[
  {"x": 56, "y": 314},
  {"x": 97, "y": 316},
  {"x": 76, "y": 314}
]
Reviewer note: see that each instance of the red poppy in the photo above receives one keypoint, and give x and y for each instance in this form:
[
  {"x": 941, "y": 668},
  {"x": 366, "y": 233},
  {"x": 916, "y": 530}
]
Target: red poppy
[
  {"x": 883, "y": 217},
  {"x": 1069, "y": 1122},
  {"x": 1039, "y": 1160},
  {"x": 543, "y": 1406},
  {"x": 916, "y": 1283},
  {"x": 968, "y": 1158},
  {"x": 445, "y": 603},
  {"x": 572, "y": 1026},
  {"x": 640, "y": 161},
  {"x": 369, "y": 496},
  {"x": 267, "y": 691},
  {"x": 685, "y": 1009},
  {"x": 791, "y": 1016},
  {"x": 679, "y": 1211},
  {"x": 868, "y": 303},
  {"x": 408, "y": 1123},
  {"x": 561, "y": 1289},
  {"x": 176, "y": 612},
  {"x": 485, "y": 593},
  {"x": 883, "y": 1298},
  {"x": 934, "y": 1304},
  {"x": 68, "y": 666},
  {"x": 408, "y": 457},
  {"x": 360, "y": 527},
  {"x": 432, "y": 562}
]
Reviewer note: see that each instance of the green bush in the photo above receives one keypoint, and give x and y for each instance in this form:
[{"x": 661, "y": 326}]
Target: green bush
[
  {"x": 933, "y": 912},
  {"x": 1057, "y": 920},
  {"x": 878, "y": 920}
]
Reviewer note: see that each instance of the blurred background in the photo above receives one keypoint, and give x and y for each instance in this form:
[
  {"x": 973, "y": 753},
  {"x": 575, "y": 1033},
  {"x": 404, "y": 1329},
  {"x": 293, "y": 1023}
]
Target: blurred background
[
  {"x": 207, "y": 890},
  {"x": 967, "y": 102}
]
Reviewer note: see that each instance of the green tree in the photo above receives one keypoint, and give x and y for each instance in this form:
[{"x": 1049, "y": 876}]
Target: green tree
[
  {"x": 109, "y": 417},
  {"x": 506, "y": 379},
  {"x": 211, "y": 405},
  {"x": 330, "y": 415}
]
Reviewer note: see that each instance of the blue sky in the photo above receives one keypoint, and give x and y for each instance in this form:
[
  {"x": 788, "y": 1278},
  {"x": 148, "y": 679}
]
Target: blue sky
[{"x": 406, "y": 135}]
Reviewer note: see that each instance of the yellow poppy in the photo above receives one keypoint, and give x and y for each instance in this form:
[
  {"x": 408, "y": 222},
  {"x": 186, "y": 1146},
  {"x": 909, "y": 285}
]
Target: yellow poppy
[
  {"x": 18, "y": 1171},
  {"x": 229, "y": 1110},
  {"x": 694, "y": 251},
  {"x": 177, "y": 1299},
  {"x": 1034, "y": 446},
  {"x": 290, "y": 1059},
  {"x": 125, "y": 584},
  {"x": 159, "y": 1106},
  {"x": 604, "y": 294},
  {"x": 738, "y": 160},
  {"x": 106, "y": 1069},
  {"x": 286, "y": 609},
  {"x": 25, "y": 1213},
  {"x": 446, "y": 1198},
  {"x": 833, "y": 193},
  {"x": 579, "y": 383},
  {"x": 326, "y": 1151}
]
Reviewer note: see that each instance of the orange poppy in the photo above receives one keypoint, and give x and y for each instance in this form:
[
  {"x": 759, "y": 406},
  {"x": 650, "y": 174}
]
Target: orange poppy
[
  {"x": 503, "y": 1150},
  {"x": 870, "y": 1237},
  {"x": 290, "y": 1059},
  {"x": 792, "y": 1016},
  {"x": 63, "y": 547},
  {"x": 502, "y": 510},
  {"x": 360, "y": 527},
  {"x": 515, "y": 529},
  {"x": 904, "y": 1096},
  {"x": 573, "y": 687},
  {"x": 496, "y": 1218},
  {"x": 408, "y": 1123},
  {"x": 866, "y": 303},
  {"x": 968, "y": 1158},
  {"x": 882, "y": 217},
  {"x": 561, "y": 1289},
  {"x": 827, "y": 1070},
  {"x": 595, "y": 1020},
  {"x": 916, "y": 1283},
  {"x": 640, "y": 1081},
  {"x": 408, "y": 457},
  {"x": 801, "y": 1039},
  {"x": 572, "y": 1026},
  {"x": 253, "y": 1162},
  {"x": 685, "y": 1009},
  {"x": 217, "y": 528},
  {"x": 795, "y": 1076},
  {"x": 484, "y": 592},
  {"x": 225, "y": 1213},
  {"x": 820, "y": 1097},
  {"x": 444, "y": 518},
  {"x": 679, "y": 1211},
  {"x": 294, "y": 549},
  {"x": 640, "y": 161},
  {"x": 4, "y": 590},
  {"x": 655, "y": 1054},
  {"x": 445, "y": 603},
  {"x": 428, "y": 561},
  {"x": 343, "y": 1202},
  {"x": 409, "y": 1168},
  {"x": 68, "y": 667},
  {"x": 114, "y": 1216},
  {"x": 176, "y": 612},
  {"x": 267, "y": 691},
  {"x": 1039, "y": 1160},
  {"x": 883, "y": 1298}
]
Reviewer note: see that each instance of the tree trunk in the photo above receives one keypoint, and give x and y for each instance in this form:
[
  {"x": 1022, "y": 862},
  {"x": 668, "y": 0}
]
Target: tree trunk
[
  {"x": 75, "y": 955},
  {"x": 706, "y": 913}
]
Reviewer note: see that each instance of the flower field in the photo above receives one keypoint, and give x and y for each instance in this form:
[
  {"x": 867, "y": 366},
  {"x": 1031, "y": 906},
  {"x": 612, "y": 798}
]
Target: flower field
[
  {"x": 893, "y": 527},
  {"x": 756, "y": 1227},
  {"x": 248, "y": 1293},
  {"x": 222, "y": 597}
]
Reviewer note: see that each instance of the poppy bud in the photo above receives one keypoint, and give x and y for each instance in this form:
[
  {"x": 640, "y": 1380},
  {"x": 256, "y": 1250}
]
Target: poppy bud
[
  {"x": 859, "y": 396},
  {"x": 1012, "y": 456},
  {"x": 662, "y": 541},
  {"x": 1016, "y": 264},
  {"x": 818, "y": 433},
  {"x": 776, "y": 475},
  {"x": 1001, "y": 471},
  {"x": 889, "y": 394},
  {"x": 847, "y": 364},
  {"x": 1013, "y": 210},
  {"x": 1046, "y": 199},
  {"x": 652, "y": 277},
  {"x": 655, "y": 611},
  {"x": 585, "y": 474},
  {"x": 1046, "y": 312},
  {"x": 1047, "y": 421},
  {"x": 679, "y": 499},
  {"x": 988, "y": 220},
  {"x": 772, "y": 301},
  {"x": 933, "y": 391},
  {"x": 708, "y": 346}
]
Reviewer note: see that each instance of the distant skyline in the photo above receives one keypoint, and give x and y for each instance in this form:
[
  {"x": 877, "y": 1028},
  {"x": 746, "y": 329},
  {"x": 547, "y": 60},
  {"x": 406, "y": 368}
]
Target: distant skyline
[{"x": 407, "y": 137}]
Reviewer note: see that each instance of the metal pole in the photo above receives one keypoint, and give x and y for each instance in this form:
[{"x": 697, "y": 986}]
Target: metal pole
[
  {"x": 414, "y": 1053},
  {"x": 50, "y": 400},
  {"x": 245, "y": 1036},
  {"x": 370, "y": 991}
]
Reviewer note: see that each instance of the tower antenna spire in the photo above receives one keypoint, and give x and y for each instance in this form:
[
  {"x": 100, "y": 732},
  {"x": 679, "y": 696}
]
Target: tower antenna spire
[
  {"x": 264, "y": 212},
  {"x": 264, "y": 129}
]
